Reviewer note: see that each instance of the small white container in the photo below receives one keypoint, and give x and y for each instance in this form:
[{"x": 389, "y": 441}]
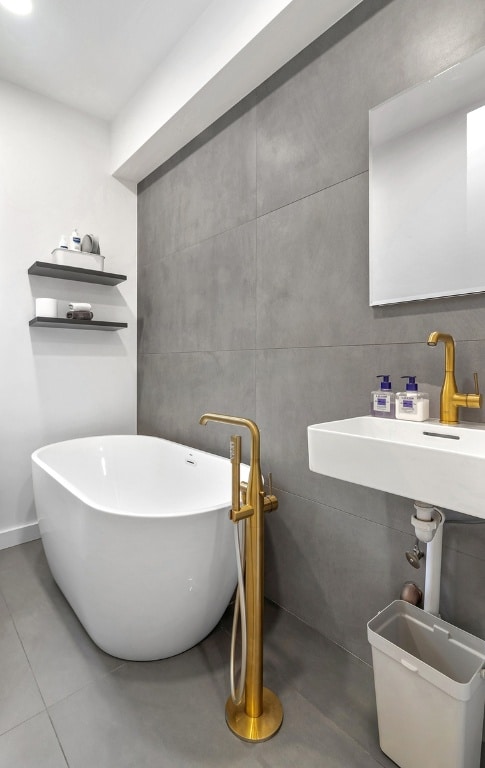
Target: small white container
[
  {"x": 412, "y": 405},
  {"x": 71, "y": 258},
  {"x": 46, "y": 307}
]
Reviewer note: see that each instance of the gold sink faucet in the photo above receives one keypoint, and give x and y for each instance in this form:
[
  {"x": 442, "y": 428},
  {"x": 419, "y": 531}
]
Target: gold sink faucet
[{"x": 450, "y": 398}]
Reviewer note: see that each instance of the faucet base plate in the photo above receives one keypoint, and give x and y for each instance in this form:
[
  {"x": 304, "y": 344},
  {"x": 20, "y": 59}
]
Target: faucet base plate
[{"x": 259, "y": 728}]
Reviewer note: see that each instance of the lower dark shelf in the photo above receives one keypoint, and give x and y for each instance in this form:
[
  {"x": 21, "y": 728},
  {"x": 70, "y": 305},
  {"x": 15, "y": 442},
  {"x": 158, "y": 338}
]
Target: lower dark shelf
[{"x": 63, "y": 322}]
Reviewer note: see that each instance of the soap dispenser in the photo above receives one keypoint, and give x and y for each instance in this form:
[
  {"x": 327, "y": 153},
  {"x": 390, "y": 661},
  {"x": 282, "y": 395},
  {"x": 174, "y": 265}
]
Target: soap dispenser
[
  {"x": 412, "y": 405},
  {"x": 75, "y": 241},
  {"x": 383, "y": 400}
]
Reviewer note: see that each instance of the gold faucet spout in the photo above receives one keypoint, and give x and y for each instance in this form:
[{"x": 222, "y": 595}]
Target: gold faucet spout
[
  {"x": 450, "y": 398},
  {"x": 449, "y": 343},
  {"x": 238, "y": 421}
]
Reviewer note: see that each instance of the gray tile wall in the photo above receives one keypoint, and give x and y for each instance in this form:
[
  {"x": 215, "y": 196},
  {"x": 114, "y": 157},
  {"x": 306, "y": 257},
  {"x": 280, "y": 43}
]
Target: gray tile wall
[{"x": 253, "y": 300}]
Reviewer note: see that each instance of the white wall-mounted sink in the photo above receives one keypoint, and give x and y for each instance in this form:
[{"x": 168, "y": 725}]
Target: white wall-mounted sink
[{"x": 423, "y": 461}]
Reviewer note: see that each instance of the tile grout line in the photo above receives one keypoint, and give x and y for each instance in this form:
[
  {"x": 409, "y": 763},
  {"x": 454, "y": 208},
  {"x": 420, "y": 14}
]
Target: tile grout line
[
  {"x": 384, "y": 525},
  {"x": 74, "y": 693},
  {"x": 87, "y": 684},
  {"x": 344, "y": 511},
  {"x": 152, "y": 262},
  {"x": 64, "y": 698},
  {"x": 58, "y": 739},
  {"x": 26, "y": 657},
  {"x": 22, "y": 722},
  {"x": 286, "y": 349},
  {"x": 332, "y": 724}
]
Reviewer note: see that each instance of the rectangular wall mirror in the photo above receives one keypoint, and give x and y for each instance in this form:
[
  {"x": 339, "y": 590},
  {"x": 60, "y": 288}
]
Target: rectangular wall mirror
[{"x": 427, "y": 188}]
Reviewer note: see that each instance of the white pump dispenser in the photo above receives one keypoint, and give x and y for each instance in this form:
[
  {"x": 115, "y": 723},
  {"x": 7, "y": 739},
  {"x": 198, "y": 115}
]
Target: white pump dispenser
[
  {"x": 75, "y": 241},
  {"x": 412, "y": 405}
]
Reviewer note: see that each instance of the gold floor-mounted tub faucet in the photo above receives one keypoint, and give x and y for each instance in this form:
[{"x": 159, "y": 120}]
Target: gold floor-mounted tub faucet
[
  {"x": 450, "y": 398},
  {"x": 259, "y": 714}
]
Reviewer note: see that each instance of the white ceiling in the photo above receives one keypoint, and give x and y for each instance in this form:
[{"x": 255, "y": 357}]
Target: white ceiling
[
  {"x": 158, "y": 71},
  {"x": 92, "y": 54}
]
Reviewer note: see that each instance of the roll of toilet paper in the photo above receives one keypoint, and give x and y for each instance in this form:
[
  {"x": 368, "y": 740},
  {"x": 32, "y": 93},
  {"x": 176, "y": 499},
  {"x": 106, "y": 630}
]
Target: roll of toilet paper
[{"x": 46, "y": 307}]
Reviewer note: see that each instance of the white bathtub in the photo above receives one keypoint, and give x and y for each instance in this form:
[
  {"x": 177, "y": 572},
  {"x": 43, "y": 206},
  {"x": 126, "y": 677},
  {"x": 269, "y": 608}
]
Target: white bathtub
[{"x": 137, "y": 536}]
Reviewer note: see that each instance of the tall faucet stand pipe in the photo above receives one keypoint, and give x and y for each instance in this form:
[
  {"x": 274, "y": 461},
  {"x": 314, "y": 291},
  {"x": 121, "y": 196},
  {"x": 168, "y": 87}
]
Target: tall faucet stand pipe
[{"x": 259, "y": 714}]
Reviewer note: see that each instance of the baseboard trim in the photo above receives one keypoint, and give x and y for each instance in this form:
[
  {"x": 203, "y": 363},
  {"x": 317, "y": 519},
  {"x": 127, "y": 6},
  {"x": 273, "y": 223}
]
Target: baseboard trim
[{"x": 20, "y": 535}]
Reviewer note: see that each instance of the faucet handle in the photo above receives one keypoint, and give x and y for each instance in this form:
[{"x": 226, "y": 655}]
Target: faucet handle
[
  {"x": 270, "y": 502},
  {"x": 475, "y": 400},
  {"x": 237, "y": 512},
  {"x": 235, "y": 456}
]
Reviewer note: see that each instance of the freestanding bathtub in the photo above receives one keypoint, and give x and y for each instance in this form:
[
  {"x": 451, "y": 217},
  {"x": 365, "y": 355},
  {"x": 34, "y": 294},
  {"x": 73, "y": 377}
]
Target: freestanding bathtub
[{"x": 137, "y": 535}]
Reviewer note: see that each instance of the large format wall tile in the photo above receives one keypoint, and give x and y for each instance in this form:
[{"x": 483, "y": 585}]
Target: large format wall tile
[
  {"x": 211, "y": 190},
  {"x": 202, "y": 298},
  {"x": 313, "y": 280},
  {"x": 176, "y": 389},
  {"x": 334, "y": 570},
  {"x": 313, "y": 114},
  {"x": 299, "y": 387},
  {"x": 291, "y": 163},
  {"x": 467, "y": 536},
  {"x": 313, "y": 270},
  {"x": 462, "y": 590}
]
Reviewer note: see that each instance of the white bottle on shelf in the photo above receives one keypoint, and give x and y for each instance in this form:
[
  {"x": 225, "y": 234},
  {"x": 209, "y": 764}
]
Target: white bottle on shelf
[{"x": 75, "y": 241}]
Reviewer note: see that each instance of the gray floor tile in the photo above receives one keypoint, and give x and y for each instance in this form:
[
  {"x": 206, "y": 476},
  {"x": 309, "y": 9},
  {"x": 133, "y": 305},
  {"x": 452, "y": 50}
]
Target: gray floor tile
[
  {"x": 172, "y": 712},
  {"x": 309, "y": 739},
  {"x": 168, "y": 713},
  {"x": 337, "y": 683},
  {"x": 20, "y": 698},
  {"x": 62, "y": 656},
  {"x": 31, "y": 745}
]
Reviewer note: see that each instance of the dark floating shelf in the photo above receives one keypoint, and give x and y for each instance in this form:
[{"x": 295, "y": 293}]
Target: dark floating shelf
[
  {"x": 63, "y": 322},
  {"x": 64, "y": 272}
]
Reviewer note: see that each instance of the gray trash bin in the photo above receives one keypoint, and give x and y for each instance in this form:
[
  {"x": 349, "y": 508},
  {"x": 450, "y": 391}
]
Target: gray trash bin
[{"x": 429, "y": 687}]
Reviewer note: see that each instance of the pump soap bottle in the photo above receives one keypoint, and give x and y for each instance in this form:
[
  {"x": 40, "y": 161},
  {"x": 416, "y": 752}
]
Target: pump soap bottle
[
  {"x": 383, "y": 400},
  {"x": 75, "y": 241},
  {"x": 412, "y": 405}
]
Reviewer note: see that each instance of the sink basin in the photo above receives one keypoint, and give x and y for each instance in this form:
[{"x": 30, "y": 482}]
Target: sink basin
[{"x": 423, "y": 461}]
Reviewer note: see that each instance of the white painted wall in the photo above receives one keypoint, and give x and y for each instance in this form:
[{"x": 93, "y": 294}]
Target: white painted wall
[{"x": 58, "y": 384}]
